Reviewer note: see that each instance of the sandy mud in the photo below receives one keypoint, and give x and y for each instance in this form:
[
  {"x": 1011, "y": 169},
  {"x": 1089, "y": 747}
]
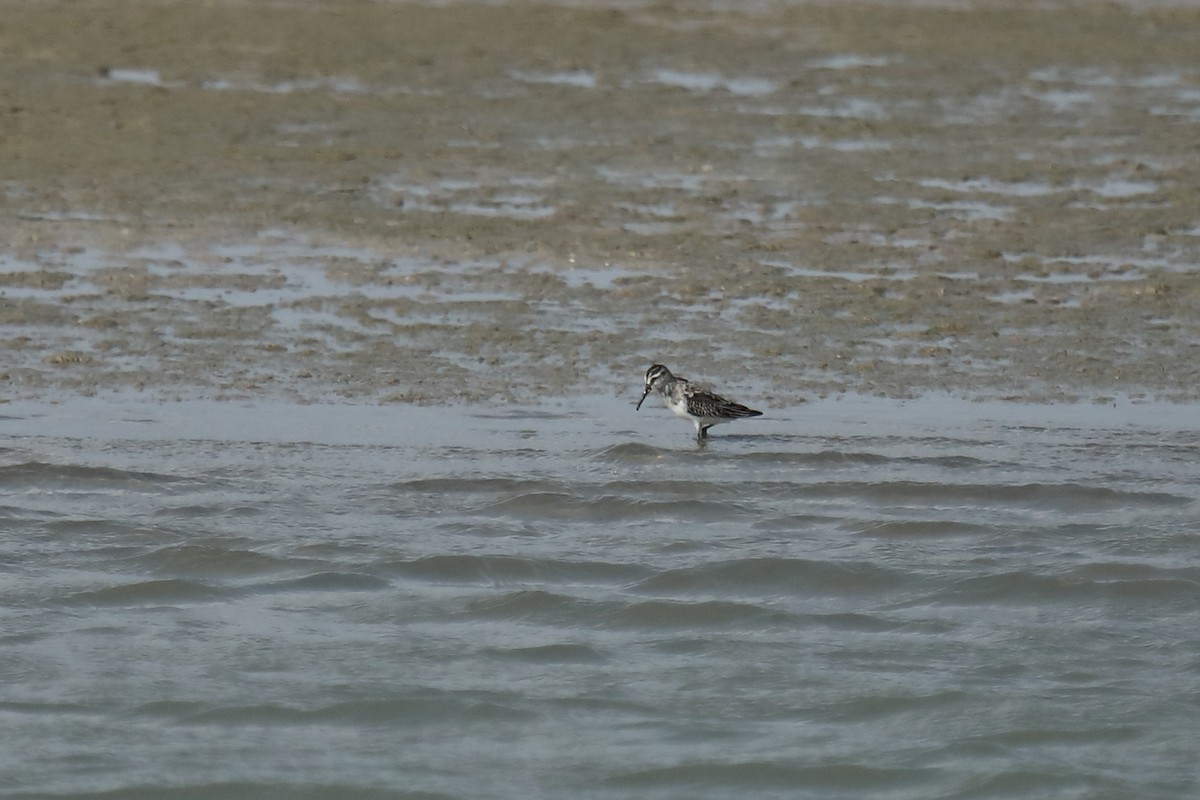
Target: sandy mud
[{"x": 394, "y": 202}]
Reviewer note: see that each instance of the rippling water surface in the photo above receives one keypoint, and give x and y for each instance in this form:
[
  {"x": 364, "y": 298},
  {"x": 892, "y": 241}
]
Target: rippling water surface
[{"x": 848, "y": 599}]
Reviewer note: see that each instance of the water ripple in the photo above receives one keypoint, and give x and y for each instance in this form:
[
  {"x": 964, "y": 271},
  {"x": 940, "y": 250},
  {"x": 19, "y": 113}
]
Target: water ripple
[
  {"x": 173, "y": 591},
  {"x": 767, "y": 775},
  {"x": 508, "y": 569},
  {"x": 75, "y": 477},
  {"x": 663, "y": 615},
  {"x": 970, "y": 611},
  {"x": 609, "y": 508},
  {"x": 765, "y": 576}
]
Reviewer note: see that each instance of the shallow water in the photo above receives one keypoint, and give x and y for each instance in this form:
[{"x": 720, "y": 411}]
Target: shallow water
[{"x": 854, "y": 598}]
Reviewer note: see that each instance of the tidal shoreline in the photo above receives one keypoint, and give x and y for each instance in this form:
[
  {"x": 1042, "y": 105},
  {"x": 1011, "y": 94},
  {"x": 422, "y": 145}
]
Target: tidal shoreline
[{"x": 405, "y": 203}]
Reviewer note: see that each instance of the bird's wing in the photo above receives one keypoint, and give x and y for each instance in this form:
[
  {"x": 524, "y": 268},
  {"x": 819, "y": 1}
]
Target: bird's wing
[{"x": 703, "y": 403}]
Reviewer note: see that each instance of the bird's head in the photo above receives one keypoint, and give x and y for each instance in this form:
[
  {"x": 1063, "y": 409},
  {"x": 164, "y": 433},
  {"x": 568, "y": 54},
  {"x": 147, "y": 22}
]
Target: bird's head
[{"x": 656, "y": 376}]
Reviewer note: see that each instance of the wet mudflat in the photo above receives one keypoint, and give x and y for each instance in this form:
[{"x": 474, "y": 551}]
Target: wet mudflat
[{"x": 399, "y": 202}]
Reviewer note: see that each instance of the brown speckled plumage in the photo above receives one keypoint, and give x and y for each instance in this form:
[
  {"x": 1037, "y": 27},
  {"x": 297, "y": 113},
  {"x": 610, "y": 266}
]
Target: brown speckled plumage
[{"x": 703, "y": 407}]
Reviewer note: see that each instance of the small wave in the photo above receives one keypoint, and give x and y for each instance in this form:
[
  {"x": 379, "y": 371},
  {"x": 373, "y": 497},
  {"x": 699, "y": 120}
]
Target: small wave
[
  {"x": 676, "y": 489},
  {"x": 22, "y": 515},
  {"x": 527, "y": 603},
  {"x": 520, "y": 413},
  {"x": 433, "y": 708},
  {"x": 201, "y": 511},
  {"x": 757, "y": 776},
  {"x": 1120, "y": 571},
  {"x": 794, "y": 522},
  {"x": 674, "y": 614},
  {"x": 35, "y": 708},
  {"x": 951, "y": 462},
  {"x": 836, "y": 458},
  {"x": 820, "y": 458},
  {"x": 1024, "y": 588},
  {"x": 238, "y": 790},
  {"x": 857, "y": 622},
  {"x": 505, "y": 569},
  {"x": 553, "y": 654},
  {"x": 1064, "y": 497},
  {"x": 130, "y": 534},
  {"x": 633, "y": 452},
  {"x": 611, "y": 508},
  {"x": 329, "y": 582},
  {"x": 1055, "y": 781},
  {"x": 869, "y": 708},
  {"x": 42, "y": 475},
  {"x": 1033, "y": 737},
  {"x": 920, "y": 528},
  {"x": 172, "y": 591},
  {"x": 774, "y": 576},
  {"x": 474, "y": 485},
  {"x": 211, "y": 560},
  {"x": 167, "y": 709}
]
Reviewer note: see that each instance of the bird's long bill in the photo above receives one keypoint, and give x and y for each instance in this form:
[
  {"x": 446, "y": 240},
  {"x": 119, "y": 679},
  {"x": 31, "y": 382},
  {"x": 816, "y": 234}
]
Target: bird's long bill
[{"x": 645, "y": 394}]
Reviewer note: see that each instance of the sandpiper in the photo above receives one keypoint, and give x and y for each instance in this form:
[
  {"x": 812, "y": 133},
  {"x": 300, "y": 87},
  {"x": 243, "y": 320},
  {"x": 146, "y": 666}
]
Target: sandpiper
[{"x": 703, "y": 407}]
